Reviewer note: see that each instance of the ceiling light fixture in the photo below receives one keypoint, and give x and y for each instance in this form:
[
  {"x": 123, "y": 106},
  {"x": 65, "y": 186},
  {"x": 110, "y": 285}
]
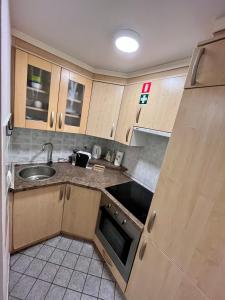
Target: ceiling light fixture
[{"x": 127, "y": 40}]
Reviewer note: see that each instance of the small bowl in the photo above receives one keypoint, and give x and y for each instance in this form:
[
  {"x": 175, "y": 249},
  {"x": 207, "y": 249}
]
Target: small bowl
[
  {"x": 37, "y": 104},
  {"x": 36, "y": 85}
]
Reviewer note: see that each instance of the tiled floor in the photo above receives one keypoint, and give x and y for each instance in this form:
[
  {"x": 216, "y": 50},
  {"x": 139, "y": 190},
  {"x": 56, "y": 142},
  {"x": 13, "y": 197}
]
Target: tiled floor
[{"x": 61, "y": 268}]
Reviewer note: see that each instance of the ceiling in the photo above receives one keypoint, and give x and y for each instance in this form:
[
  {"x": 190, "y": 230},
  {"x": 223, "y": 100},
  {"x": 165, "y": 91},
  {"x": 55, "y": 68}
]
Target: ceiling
[{"x": 84, "y": 29}]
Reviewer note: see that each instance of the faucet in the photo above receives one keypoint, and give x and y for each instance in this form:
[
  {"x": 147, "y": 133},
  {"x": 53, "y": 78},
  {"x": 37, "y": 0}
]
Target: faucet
[{"x": 50, "y": 149}]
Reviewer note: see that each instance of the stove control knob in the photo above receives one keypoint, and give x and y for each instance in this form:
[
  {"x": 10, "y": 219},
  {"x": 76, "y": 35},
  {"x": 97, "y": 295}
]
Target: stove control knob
[
  {"x": 124, "y": 222},
  {"x": 116, "y": 213},
  {"x": 108, "y": 205}
]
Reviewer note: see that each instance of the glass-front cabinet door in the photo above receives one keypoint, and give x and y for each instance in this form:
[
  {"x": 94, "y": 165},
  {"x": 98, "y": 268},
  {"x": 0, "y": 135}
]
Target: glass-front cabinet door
[
  {"x": 36, "y": 92},
  {"x": 74, "y": 100}
]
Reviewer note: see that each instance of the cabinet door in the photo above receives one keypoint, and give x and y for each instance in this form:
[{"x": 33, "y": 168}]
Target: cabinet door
[
  {"x": 129, "y": 111},
  {"x": 80, "y": 211},
  {"x": 207, "y": 66},
  {"x": 36, "y": 92},
  {"x": 37, "y": 214},
  {"x": 153, "y": 275},
  {"x": 191, "y": 181},
  {"x": 162, "y": 107},
  {"x": 74, "y": 100},
  {"x": 104, "y": 109}
]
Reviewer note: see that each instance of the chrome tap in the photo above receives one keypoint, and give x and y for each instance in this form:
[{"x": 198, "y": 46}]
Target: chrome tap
[{"x": 50, "y": 149}]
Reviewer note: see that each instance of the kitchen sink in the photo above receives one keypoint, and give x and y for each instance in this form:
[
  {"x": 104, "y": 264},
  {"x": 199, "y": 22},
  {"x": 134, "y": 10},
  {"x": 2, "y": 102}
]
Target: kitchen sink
[{"x": 36, "y": 173}]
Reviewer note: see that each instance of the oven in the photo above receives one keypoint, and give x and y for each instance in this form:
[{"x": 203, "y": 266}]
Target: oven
[{"x": 118, "y": 235}]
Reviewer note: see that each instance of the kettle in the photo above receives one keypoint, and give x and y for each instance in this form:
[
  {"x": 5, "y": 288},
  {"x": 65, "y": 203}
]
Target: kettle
[{"x": 96, "y": 152}]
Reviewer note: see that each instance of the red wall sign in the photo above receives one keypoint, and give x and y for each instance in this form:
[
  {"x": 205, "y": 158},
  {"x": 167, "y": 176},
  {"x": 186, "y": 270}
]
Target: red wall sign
[{"x": 146, "y": 87}]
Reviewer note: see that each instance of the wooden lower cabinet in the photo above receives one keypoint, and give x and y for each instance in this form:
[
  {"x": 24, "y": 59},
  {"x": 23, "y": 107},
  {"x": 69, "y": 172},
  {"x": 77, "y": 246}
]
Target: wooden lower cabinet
[
  {"x": 80, "y": 211},
  {"x": 37, "y": 214}
]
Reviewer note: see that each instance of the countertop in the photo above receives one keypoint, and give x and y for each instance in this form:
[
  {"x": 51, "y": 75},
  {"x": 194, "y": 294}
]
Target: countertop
[{"x": 66, "y": 173}]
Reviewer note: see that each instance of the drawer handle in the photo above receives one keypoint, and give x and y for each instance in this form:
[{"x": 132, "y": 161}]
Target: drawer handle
[
  {"x": 60, "y": 120},
  {"x": 195, "y": 65},
  {"x": 68, "y": 192},
  {"x": 61, "y": 193},
  {"x": 52, "y": 117},
  {"x": 112, "y": 130},
  {"x": 142, "y": 250},
  {"x": 138, "y": 115},
  {"x": 127, "y": 134},
  {"x": 106, "y": 258},
  {"x": 151, "y": 221}
]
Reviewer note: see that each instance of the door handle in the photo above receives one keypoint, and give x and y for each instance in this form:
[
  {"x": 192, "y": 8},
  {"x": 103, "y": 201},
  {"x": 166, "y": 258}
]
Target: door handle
[
  {"x": 60, "y": 120},
  {"x": 195, "y": 65},
  {"x": 138, "y": 115},
  {"x": 61, "y": 193},
  {"x": 112, "y": 130},
  {"x": 151, "y": 221},
  {"x": 68, "y": 192},
  {"x": 142, "y": 250},
  {"x": 52, "y": 117},
  {"x": 127, "y": 134}
]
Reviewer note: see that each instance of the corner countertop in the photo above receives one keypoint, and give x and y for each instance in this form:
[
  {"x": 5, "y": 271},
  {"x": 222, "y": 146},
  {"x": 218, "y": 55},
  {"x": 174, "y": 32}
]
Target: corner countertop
[{"x": 68, "y": 174}]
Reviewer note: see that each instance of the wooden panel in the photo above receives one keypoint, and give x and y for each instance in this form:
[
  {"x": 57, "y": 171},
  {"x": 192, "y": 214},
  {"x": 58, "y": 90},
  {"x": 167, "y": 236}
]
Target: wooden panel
[
  {"x": 128, "y": 113},
  {"x": 37, "y": 214},
  {"x": 188, "y": 291},
  {"x": 119, "y": 279},
  {"x": 80, "y": 211},
  {"x": 104, "y": 110},
  {"x": 154, "y": 277},
  {"x": 39, "y": 63},
  {"x": 191, "y": 182},
  {"x": 210, "y": 70},
  {"x": 162, "y": 107},
  {"x": 20, "y": 88}
]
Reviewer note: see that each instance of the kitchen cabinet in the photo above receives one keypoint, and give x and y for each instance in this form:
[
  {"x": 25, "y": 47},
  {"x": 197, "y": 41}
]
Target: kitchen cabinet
[
  {"x": 80, "y": 211},
  {"x": 74, "y": 100},
  {"x": 207, "y": 65},
  {"x": 37, "y": 214},
  {"x": 129, "y": 112},
  {"x": 104, "y": 110},
  {"x": 161, "y": 109},
  {"x": 36, "y": 92}
]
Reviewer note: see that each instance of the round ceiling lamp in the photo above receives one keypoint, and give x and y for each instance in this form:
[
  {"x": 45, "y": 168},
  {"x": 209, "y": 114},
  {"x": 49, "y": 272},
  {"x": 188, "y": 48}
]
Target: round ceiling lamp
[{"x": 127, "y": 41}]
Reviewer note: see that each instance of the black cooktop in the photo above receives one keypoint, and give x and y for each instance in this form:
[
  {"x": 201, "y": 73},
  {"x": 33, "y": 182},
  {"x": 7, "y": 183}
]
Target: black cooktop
[{"x": 134, "y": 197}]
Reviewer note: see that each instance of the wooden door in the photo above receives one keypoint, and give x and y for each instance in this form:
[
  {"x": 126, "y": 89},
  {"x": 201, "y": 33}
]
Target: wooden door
[
  {"x": 80, "y": 211},
  {"x": 37, "y": 214},
  {"x": 207, "y": 66},
  {"x": 153, "y": 275},
  {"x": 162, "y": 107},
  {"x": 36, "y": 92},
  {"x": 189, "y": 199},
  {"x": 104, "y": 110},
  {"x": 74, "y": 100},
  {"x": 129, "y": 111}
]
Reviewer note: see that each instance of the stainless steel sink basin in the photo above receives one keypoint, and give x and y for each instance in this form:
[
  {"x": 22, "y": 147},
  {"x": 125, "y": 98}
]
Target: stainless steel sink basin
[{"x": 36, "y": 173}]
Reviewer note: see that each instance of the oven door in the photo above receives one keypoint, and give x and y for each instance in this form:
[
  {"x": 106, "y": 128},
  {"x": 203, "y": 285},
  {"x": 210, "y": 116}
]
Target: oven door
[{"x": 120, "y": 241}]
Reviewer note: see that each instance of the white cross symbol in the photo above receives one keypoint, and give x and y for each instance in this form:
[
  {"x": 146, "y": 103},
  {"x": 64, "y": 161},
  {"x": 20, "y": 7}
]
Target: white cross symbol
[{"x": 144, "y": 98}]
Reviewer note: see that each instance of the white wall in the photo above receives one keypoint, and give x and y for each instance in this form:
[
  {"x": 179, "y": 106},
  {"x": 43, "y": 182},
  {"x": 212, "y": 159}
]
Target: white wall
[{"x": 5, "y": 113}]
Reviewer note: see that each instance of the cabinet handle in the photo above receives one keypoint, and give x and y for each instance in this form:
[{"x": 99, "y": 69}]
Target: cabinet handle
[
  {"x": 151, "y": 221},
  {"x": 106, "y": 258},
  {"x": 138, "y": 115},
  {"x": 60, "y": 120},
  {"x": 195, "y": 65},
  {"x": 127, "y": 134},
  {"x": 112, "y": 130},
  {"x": 68, "y": 192},
  {"x": 142, "y": 250},
  {"x": 52, "y": 119},
  {"x": 61, "y": 193}
]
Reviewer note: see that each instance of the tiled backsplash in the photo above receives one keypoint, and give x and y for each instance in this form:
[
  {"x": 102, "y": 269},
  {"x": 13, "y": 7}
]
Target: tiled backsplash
[{"x": 143, "y": 163}]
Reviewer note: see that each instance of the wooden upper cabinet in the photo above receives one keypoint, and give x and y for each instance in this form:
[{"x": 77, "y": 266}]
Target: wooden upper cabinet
[
  {"x": 37, "y": 214},
  {"x": 80, "y": 211},
  {"x": 104, "y": 110},
  {"x": 36, "y": 92},
  {"x": 161, "y": 109},
  {"x": 129, "y": 111},
  {"x": 74, "y": 100},
  {"x": 207, "y": 66}
]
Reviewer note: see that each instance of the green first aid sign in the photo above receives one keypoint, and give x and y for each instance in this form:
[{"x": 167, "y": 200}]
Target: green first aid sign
[{"x": 143, "y": 99}]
